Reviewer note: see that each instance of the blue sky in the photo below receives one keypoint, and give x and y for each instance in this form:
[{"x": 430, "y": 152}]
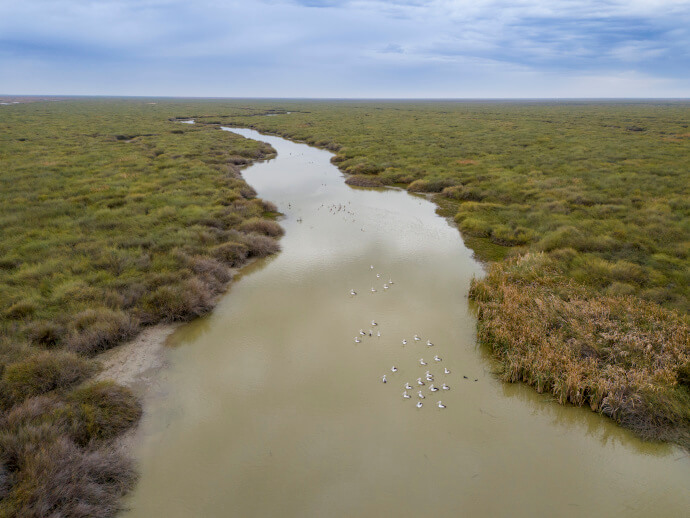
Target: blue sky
[{"x": 346, "y": 48}]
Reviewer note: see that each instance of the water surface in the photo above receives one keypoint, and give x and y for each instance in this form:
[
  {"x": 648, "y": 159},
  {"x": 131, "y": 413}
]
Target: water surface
[{"x": 270, "y": 408}]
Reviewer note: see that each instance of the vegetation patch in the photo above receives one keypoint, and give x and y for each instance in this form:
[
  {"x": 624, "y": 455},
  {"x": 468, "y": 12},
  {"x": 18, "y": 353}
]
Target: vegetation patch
[
  {"x": 112, "y": 216},
  {"x": 623, "y": 357}
]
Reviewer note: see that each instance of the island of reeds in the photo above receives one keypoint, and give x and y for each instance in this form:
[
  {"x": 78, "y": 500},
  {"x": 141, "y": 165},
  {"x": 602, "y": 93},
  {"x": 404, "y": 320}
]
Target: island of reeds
[{"x": 115, "y": 216}]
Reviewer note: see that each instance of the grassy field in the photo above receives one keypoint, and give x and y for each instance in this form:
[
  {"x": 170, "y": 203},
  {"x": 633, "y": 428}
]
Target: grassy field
[
  {"x": 112, "y": 217},
  {"x": 115, "y": 216}
]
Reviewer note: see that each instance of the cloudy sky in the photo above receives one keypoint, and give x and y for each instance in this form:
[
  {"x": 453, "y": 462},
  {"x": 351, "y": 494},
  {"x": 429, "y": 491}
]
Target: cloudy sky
[{"x": 346, "y": 48}]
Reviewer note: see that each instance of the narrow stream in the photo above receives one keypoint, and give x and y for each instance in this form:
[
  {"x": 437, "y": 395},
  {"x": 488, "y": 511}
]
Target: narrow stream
[{"x": 271, "y": 409}]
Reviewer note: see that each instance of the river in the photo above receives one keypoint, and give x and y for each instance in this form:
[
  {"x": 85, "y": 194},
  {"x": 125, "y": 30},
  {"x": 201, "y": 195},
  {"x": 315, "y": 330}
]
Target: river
[{"x": 270, "y": 408}]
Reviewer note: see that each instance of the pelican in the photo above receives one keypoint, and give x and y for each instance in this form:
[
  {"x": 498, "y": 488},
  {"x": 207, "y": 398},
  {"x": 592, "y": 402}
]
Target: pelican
[
  {"x": 353, "y": 292},
  {"x": 378, "y": 275},
  {"x": 371, "y": 267},
  {"x": 408, "y": 386},
  {"x": 361, "y": 332},
  {"x": 374, "y": 323},
  {"x": 390, "y": 281},
  {"x": 371, "y": 333},
  {"x": 432, "y": 388},
  {"x": 357, "y": 340},
  {"x": 404, "y": 342},
  {"x": 384, "y": 379},
  {"x": 441, "y": 405},
  {"x": 430, "y": 378},
  {"x": 385, "y": 286},
  {"x": 421, "y": 396},
  {"x": 406, "y": 395},
  {"x": 394, "y": 369},
  {"x": 446, "y": 370},
  {"x": 378, "y": 333},
  {"x": 428, "y": 342},
  {"x": 373, "y": 290},
  {"x": 445, "y": 387},
  {"x": 420, "y": 382},
  {"x": 421, "y": 361},
  {"x": 419, "y": 404},
  {"x": 437, "y": 359},
  {"x": 416, "y": 338}
]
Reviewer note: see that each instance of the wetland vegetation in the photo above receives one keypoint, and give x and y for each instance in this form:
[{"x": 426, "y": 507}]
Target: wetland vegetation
[{"x": 114, "y": 217}]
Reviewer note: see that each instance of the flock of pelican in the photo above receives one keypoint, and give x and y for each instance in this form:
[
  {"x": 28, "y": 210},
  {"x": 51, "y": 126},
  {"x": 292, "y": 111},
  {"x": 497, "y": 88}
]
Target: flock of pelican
[{"x": 428, "y": 376}]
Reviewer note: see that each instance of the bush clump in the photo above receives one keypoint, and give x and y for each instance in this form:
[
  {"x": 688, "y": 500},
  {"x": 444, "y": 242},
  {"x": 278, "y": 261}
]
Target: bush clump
[
  {"x": 359, "y": 180},
  {"x": 266, "y": 227},
  {"x": 231, "y": 253},
  {"x": 41, "y": 373},
  {"x": 95, "y": 330}
]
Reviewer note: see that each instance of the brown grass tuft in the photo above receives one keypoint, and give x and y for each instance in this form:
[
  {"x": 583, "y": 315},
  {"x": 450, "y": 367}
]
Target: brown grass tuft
[{"x": 621, "y": 356}]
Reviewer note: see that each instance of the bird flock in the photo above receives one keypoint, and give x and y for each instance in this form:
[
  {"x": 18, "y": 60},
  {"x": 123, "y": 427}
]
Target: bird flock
[{"x": 434, "y": 377}]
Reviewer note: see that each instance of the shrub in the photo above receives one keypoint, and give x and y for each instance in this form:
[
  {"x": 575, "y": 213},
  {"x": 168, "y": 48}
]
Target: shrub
[
  {"x": 266, "y": 227},
  {"x": 231, "y": 253},
  {"x": 464, "y": 193},
  {"x": 47, "y": 334},
  {"x": 359, "y": 180},
  {"x": 95, "y": 330},
  {"x": 475, "y": 227},
  {"x": 181, "y": 302},
  {"x": 41, "y": 373},
  {"x": 60, "y": 479},
  {"x": 506, "y": 236},
  {"x": 103, "y": 410},
  {"x": 260, "y": 246},
  {"x": 20, "y": 310},
  {"x": 430, "y": 185}
]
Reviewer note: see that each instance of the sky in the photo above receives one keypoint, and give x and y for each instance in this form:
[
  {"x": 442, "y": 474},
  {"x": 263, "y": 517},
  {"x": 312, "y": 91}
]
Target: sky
[{"x": 347, "y": 48}]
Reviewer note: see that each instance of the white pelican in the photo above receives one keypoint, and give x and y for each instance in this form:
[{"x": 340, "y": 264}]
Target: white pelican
[
  {"x": 373, "y": 290},
  {"x": 419, "y": 404},
  {"x": 371, "y": 267},
  {"x": 406, "y": 395},
  {"x": 446, "y": 370},
  {"x": 416, "y": 338},
  {"x": 421, "y": 396},
  {"x": 445, "y": 387},
  {"x": 371, "y": 333},
  {"x": 408, "y": 386},
  {"x": 420, "y": 382},
  {"x": 433, "y": 389},
  {"x": 430, "y": 378},
  {"x": 437, "y": 359},
  {"x": 404, "y": 342},
  {"x": 390, "y": 281},
  {"x": 384, "y": 378},
  {"x": 353, "y": 292},
  {"x": 361, "y": 332},
  {"x": 441, "y": 405},
  {"x": 422, "y": 362},
  {"x": 394, "y": 369},
  {"x": 428, "y": 342},
  {"x": 374, "y": 323},
  {"x": 357, "y": 340},
  {"x": 378, "y": 333},
  {"x": 378, "y": 275},
  {"x": 385, "y": 286}
]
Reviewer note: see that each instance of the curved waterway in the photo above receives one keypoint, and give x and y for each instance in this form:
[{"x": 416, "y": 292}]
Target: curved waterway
[{"x": 269, "y": 408}]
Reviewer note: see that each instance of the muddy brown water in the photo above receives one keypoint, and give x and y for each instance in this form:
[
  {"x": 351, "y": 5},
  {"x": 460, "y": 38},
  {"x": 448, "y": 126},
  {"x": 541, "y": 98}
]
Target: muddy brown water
[{"x": 269, "y": 407}]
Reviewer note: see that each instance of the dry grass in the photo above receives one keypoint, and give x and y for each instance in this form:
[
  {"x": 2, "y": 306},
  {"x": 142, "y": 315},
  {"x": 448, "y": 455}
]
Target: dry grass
[
  {"x": 625, "y": 358},
  {"x": 359, "y": 180}
]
